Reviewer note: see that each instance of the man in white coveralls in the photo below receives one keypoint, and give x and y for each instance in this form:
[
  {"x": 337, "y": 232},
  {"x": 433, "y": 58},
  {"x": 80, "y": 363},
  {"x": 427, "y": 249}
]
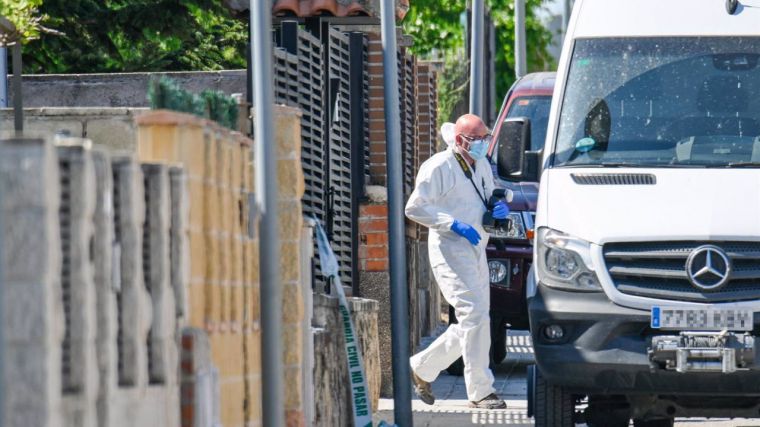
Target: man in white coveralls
[{"x": 450, "y": 198}]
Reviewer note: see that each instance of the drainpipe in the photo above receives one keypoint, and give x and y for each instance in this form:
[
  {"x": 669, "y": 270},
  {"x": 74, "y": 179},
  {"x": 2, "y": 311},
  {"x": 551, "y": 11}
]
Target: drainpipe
[
  {"x": 402, "y": 387},
  {"x": 476, "y": 58},
  {"x": 266, "y": 197},
  {"x": 521, "y": 61},
  {"x": 567, "y": 9}
]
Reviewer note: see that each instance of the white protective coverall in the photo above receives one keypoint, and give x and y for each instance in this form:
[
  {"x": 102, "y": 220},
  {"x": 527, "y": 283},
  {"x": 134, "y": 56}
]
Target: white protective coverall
[{"x": 442, "y": 194}]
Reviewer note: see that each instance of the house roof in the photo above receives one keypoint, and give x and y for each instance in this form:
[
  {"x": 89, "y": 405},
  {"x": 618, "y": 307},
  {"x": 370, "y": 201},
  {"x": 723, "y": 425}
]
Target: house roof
[
  {"x": 342, "y": 8},
  {"x": 319, "y": 7}
]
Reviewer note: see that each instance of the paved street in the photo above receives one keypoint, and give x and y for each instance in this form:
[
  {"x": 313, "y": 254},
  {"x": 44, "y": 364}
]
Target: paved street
[{"x": 451, "y": 408}]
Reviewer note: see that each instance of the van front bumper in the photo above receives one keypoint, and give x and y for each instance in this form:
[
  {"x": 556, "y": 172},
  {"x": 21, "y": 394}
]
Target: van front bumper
[{"x": 604, "y": 349}]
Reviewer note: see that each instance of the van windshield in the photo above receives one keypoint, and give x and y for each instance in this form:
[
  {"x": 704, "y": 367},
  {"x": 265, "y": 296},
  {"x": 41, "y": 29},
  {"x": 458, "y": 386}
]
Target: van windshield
[
  {"x": 535, "y": 108},
  {"x": 662, "y": 102}
]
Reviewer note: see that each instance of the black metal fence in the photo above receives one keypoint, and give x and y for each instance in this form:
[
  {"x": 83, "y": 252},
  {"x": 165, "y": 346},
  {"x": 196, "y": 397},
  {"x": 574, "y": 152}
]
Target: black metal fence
[{"x": 324, "y": 70}]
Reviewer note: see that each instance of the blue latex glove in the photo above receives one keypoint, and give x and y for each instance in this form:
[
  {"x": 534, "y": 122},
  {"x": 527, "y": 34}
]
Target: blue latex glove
[
  {"x": 500, "y": 210},
  {"x": 467, "y": 231}
]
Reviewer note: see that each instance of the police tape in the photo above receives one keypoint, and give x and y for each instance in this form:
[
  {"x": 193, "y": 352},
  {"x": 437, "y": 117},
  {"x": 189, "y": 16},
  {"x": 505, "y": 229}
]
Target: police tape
[{"x": 360, "y": 398}]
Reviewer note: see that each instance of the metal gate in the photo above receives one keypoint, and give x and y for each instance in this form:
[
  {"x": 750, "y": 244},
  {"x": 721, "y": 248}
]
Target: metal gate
[
  {"x": 339, "y": 153},
  {"x": 319, "y": 76}
]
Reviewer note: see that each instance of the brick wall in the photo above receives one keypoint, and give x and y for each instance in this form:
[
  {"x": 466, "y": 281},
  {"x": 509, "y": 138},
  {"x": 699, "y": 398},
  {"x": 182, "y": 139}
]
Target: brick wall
[
  {"x": 377, "y": 168},
  {"x": 217, "y": 242},
  {"x": 223, "y": 294},
  {"x": 373, "y": 237}
]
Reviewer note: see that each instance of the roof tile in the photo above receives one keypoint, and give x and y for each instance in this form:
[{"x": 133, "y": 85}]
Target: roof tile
[{"x": 342, "y": 8}]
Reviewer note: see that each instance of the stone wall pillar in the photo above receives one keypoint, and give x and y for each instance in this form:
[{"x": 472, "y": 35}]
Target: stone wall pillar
[
  {"x": 364, "y": 315},
  {"x": 133, "y": 302},
  {"x": 76, "y": 215},
  {"x": 31, "y": 266},
  {"x": 290, "y": 183},
  {"x": 179, "y": 255},
  {"x": 162, "y": 354},
  {"x": 332, "y": 394},
  {"x": 105, "y": 292}
]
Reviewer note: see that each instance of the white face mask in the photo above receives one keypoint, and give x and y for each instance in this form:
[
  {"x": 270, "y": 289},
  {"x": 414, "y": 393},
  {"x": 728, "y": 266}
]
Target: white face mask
[{"x": 479, "y": 147}]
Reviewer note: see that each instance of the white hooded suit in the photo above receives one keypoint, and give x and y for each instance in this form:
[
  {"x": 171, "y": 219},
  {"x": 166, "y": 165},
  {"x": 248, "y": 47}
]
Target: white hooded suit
[{"x": 442, "y": 194}]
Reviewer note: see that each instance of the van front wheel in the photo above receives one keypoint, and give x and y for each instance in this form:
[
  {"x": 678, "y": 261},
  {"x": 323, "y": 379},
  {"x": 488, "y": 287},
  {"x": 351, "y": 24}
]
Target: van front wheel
[{"x": 552, "y": 406}]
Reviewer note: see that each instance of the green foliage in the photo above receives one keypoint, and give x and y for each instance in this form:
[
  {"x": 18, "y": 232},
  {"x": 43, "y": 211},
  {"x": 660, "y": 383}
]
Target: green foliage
[
  {"x": 164, "y": 93},
  {"x": 435, "y": 25},
  {"x": 220, "y": 108},
  {"x": 138, "y": 35},
  {"x": 24, "y": 15},
  {"x": 438, "y": 32},
  {"x": 452, "y": 86}
]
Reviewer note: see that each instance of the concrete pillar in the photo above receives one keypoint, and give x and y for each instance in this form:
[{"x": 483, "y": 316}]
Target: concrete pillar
[
  {"x": 157, "y": 272},
  {"x": 32, "y": 311},
  {"x": 332, "y": 396},
  {"x": 76, "y": 215},
  {"x": 364, "y": 315},
  {"x": 180, "y": 242},
  {"x": 105, "y": 291},
  {"x": 133, "y": 302},
  {"x": 307, "y": 362}
]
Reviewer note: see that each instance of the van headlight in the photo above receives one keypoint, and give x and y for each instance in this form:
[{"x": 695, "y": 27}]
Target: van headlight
[
  {"x": 515, "y": 230},
  {"x": 497, "y": 272},
  {"x": 564, "y": 262}
]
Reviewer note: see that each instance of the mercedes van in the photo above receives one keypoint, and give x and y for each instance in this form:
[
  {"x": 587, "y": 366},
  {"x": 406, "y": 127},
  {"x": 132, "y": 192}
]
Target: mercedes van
[{"x": 645, "y": 291}]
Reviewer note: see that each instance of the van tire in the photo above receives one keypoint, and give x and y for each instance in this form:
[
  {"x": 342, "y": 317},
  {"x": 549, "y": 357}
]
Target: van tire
[{"x": 553, "y": 406}]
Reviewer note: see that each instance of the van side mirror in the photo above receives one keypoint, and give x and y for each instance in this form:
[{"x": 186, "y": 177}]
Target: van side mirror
[{"x": 514, "y": 161}]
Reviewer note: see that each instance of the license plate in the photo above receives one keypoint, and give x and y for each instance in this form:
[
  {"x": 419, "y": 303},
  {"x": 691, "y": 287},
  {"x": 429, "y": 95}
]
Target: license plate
[{"x": 702, "y": 319}]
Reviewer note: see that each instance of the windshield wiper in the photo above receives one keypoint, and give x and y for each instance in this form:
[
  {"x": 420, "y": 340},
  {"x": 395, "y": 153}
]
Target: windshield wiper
[
  {"x": 602, "y": 165},
  {"x": 617, "y": 165},
  {"x": 637, "y": 165},
  {"x": 743, "y": 165}
]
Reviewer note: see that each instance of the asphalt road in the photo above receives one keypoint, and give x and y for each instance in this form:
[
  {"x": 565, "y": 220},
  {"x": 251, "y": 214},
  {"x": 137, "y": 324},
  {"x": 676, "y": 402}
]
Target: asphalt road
[{"x": 451, "y": 408}]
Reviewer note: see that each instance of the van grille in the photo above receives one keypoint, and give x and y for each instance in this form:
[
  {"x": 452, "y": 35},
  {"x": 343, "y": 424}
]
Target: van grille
[
  {"x": 658, "y": 270},
  {"x": 614, "y": 179}
]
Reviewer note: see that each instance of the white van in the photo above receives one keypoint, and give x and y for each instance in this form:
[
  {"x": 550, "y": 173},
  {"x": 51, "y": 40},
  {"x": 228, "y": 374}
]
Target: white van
[{"x": 646, "y": 287}]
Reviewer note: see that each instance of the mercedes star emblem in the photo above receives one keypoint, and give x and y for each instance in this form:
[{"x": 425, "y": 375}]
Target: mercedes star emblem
[{"x": 708, "y": 267}]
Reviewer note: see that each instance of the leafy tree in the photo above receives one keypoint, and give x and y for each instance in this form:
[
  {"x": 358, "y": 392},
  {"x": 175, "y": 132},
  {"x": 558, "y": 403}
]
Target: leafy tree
[
  {"x": 137, "y": 35},
  {"x": 21, "y": 21},
  {"x": 438, "y": 32},
  {"x": 453, "y": 88}
]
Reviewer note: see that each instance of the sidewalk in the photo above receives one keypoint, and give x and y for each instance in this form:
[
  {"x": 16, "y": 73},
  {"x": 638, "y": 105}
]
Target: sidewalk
[{"x": 451, "y": 409}]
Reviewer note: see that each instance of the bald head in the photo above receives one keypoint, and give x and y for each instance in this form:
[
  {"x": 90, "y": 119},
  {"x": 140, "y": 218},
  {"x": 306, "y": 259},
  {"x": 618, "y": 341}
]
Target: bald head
[
  {"x": 468, "y": 128},
  {"x": 471, "y": 125}
]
